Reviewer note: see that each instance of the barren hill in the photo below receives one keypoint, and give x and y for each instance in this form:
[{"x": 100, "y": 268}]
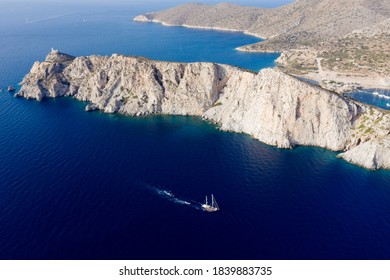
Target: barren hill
[
  {"x": 362, "y": 57},
  {"x": 345, "y": 40},
  {"x": 301, "y": 23}
]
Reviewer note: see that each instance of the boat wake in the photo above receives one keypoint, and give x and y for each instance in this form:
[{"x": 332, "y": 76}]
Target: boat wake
[
  {"x": 381, "y": 95},
  {"x": 48, "y": 18},
  {"x": 168, "y": 195}
]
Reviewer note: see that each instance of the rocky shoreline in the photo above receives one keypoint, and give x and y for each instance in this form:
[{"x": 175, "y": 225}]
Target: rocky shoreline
[
  {"x": 144, "y": 18},
  {"x": 271, "y": 106}
]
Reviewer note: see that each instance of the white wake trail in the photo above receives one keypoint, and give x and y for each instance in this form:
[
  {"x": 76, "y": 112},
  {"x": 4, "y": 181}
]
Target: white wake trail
[
  {"x": 48, "y": 18},
  {"x": 168, "y": 195}
]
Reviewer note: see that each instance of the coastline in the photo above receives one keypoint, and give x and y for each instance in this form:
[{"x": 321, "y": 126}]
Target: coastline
[
  {"x": 242, "y": 49},
  {"x": 93, "y": 185},
  {"x": 303, "y": 115},
  {"x": 344, "y": 82},
  {"x": 142, "y": 18},
  {"x": 341, "y": 82}
]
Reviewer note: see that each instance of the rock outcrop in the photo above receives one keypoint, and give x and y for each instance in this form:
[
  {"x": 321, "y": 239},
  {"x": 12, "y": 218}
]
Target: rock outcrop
[
  {"x": 373, "y": 154},
  {"x": 271, "y": 106},
  {"x": 46, "y": 79},
  {"x": 282, "y": 111}
]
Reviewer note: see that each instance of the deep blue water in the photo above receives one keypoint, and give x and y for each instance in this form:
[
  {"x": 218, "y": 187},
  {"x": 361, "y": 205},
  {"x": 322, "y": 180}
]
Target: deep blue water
[
  {"x": 77, "y": 185},
  {"x": 102, "y": 30}
]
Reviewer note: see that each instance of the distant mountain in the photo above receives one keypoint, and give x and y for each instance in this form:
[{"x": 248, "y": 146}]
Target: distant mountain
[
  {"x": 303, "y": 22},
  {"x": 347, "y": 41}
]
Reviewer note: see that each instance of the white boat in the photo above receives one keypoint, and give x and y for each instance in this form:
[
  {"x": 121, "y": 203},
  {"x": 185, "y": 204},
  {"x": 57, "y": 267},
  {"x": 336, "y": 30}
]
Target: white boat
[
  {"x": 388, "y": 104},
  {"x": 210, "y": 207},
  {"x": 375, "y": 93}
]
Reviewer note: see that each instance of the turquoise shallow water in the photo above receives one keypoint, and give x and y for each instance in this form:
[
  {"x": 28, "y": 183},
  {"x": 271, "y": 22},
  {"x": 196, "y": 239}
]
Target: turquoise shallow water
[{"x": 77, "y": 185}]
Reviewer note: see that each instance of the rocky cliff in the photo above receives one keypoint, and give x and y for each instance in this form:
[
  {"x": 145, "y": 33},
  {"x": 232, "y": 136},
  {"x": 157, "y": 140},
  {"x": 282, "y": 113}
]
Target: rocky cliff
[
  {"x": 271, "y": 106},
  {"x": 373, "y": 154}
]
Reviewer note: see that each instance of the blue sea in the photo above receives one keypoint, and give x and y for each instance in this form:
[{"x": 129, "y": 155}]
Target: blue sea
[
  {"x": 77, "y": 185},
  {"x": 377, "y": 97}
]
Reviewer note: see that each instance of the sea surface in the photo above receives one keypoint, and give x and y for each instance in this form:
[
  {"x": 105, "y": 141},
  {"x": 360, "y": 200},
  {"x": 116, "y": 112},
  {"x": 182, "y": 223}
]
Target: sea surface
[
  {"x": 377, "y": 97},
  {"x": 77, "y": 185}
]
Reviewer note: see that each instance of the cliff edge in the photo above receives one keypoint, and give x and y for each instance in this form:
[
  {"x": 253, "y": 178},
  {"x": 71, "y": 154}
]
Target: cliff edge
[{"x": 271, "y": 106}]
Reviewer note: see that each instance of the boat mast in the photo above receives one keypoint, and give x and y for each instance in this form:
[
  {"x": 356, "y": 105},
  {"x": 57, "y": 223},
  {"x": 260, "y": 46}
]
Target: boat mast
[
  {"x": 206, "y": 201},
  {"x": 214, "y": 202}
]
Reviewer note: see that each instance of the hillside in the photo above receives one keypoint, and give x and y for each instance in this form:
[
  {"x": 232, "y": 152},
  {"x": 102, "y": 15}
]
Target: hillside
[
  {"x": 303, "y": 22},
  {"x": 362, "y": 56},
  {"x": 345, "y": 41}
]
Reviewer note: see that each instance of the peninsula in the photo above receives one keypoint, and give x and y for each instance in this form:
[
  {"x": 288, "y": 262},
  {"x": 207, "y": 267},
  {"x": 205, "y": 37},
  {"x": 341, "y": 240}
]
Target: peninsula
[
  {"x": 271, "y": 106},
  {"x": 339, "y": 44}
]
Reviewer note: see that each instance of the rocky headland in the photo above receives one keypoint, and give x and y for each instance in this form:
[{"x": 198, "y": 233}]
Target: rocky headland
[
  {"x": 346, "y": 42},
  {"x": 271, "y": 106}
]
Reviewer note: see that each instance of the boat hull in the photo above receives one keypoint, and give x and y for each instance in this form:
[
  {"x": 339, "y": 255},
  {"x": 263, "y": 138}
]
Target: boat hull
[{"x": 209, "y": 208}]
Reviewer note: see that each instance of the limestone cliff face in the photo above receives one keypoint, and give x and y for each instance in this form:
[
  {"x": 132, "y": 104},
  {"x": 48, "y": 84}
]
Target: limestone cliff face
[
  {"x": 129, "y": 85},
  {"x": 369, "y": 145},
  {"x": 273, "y": 107},
  {"x": 282, "y": 111},
  {"x": 46, "y": 79},
  {"x": 373, "y": 154}
]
